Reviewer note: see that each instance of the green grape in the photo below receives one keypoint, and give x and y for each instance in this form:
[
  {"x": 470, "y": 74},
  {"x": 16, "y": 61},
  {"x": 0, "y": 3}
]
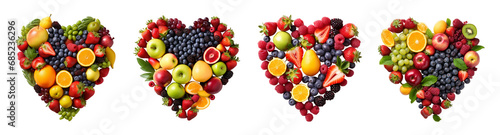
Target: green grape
[
  {"x": 394, "y": 59},
  {"x": 401, "y": 63},
  {"x": 403, "y": 45},
  {"x": 396, "y": 52},
  {"x": 79, "y": 22},
  {"x": 405, "y": 31},
  {"x": 69, "y": 27},
  {"x": 65, "y": 34},
  {"x": 402, "y": 37},
  {"x": 80, "y": 33},
  {"x": 409, "y": 56},
  {"x": 75, "y": 32},
  {"x": 411, "y": 30},
  {"x": 395, "y": 68},
  {"x": 394, "y": 35},
  {"x": 63, "y": 28},
  {"x": 399, "y": 57},
  {"x": 70, "y": 32},
  {"x": 407, "y": 61},
  {"x": 392, "y": 54},
  {"x": 75, "y": 27},
  {"x": 404, "y": 69},
  {"x": 402, "y": 52},
  {"x": 429, "y": 41},
  {"x": 407, "y": 49},
  {"x": 397, "y": 46},
  {"x": 411, "y": 63}
]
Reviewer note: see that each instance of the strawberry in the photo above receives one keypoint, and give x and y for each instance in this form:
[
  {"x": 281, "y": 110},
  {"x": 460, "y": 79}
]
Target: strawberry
[
  {"x": 410, "y": 23},
  {"x": 151, "y": 24},
  {"x": 395, "y": 77},
  {"x": 161, "y": 21},
  {"x": 99, "y": 50},
  {"x": 20, "y": 55},
  {"x": 322, "y": 33},
  {"x": 294, "y": 55},
  {"x": 225, "y": 56},
  {"x": 451, "y": 96},
  {"x": 192, "y": 113},
  {"x": 284, "y": 23},
  {"x": 475, "y": 41},
  {"x": 69, "y": 61},
  {"x": 310, "y": 41},
  {"x": 298, "y": 22},
  {"x": 46, "y": 50},
  {"x": 181, "y": 113},
  {"x": 76, "y": 89},
  {"x": 155, "y": 33},
  {"x": 426, "y": 112},
  {"x": 38, "y": 63},
  {"x": 233, "y": 49},
  {"x": 103, "y": 72},
  {"x": 221, "y": 27},
  {"x": 396, "y": 26},
  {"x": 462, "y": 75},
  {"x": 187, "y": 103},
  {"x": 215, "y": 21},
  {"x": 436, "y": 109},
  {"x": 163, "y": 30},
  {"x": 23, "y": 46},
  {"x": 227, "y": 41},
  {"x": 54, "y": 105},
  {"x": 99, "y": 80},
  {"x": 449, "y": 31},
  {"x": 333, "y": 76},
  {"x": 146, "y": 34},
  {"x": 268, "y": 28},
  {"x": 154, "y": 62},
  {"x": 294, "y": 75},
  {"x": 141, "y": 43},
  {"x": 218, "y": 36},
  {"x": 79, "y": 102},
  {"x": 384, "y": 50},
  {"x": 232, "y": 63},
  {"x": 72, "y": 47},
  {"x": 426, "y": 102},
  {"x": 389, "y": 67},
  {"x": 446, "y": 104},
  {"x": 420, "y": 94},
  {"x": 352, "y": 55},
  {"x": 228, "y": 33},
  {"x": 141, "y": 52},
  {"x": 158, "y": 89},
  {"x": 349, "y": 30},
  {"x": 92, "y": 38}
]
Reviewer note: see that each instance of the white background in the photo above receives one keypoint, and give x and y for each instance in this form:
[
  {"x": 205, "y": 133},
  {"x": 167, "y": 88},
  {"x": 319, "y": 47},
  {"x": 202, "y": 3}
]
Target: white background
[{"x": 370, "y": 104}]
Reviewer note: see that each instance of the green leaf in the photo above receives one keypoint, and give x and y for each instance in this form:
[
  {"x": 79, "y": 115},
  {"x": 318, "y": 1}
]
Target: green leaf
[
  {"x": 406, "y": 85},
  {"x": 448, "y": 22},
  {"x": 345, "y": 65},
  {"x": 477, "y": 48},
  {"x": 29, "y": 77},
  {"x": 413, "y": 94},
  {"x": 459, "y": 63},
  {"x": 429, "y": 33},
  {"x": 30, "y": 53},
  {"x": 145, "y": 66},
  {"x": 147, "y": 76},
  {"x": 386, "y": 60},
  {"x": 429, "y": 80},
  {"x": 436, "y": 118}
]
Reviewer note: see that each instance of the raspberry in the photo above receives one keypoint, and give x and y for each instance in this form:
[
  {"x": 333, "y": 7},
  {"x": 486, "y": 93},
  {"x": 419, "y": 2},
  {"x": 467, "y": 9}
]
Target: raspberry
[
  {"x": 323, "y": 69},
  {"x": 436, "y": 109},
  {"x": 434, "y": 91},
  {"x": 298, "y": 22},
  {"x": 319, "y": 101},
  {"x": 425, "y": 88},
  {"x": 458, "y": 45},
  {"x": 263, "y": 55},
  {"x": 295, "y": 34},
  {"x": 339, "y": 38},
  {"x": 315, "y": 110},
  {"x": 288, "y": 86},
  {"x": 299, "y": 105},
  {"x": 268, "y": 74},
  {"x": 336, "y": 23},
  {"x": 428, "y": 95},
  {"x": 343, "y": 83},
  {"x": 355, "y": 42},
  {"x": 322, "y": 90},
  {"x": 318, "y": 24},
  {"x": 350, "y": 73},
  {"x": 311, "y": 29},
  {"x": 451, "y": 96},
  {"x": 335, "y": 88},
  {"x": 325, "y": 21},
  {"x": 470, "y": 72},
  {"x": 280, "y": 89},
  {"x": 303, "y": 112},
  {"x": 464, "y": 49},
  {"x": 436, "y": 100},
  {"x": 338, "y": 46},
  {"x": 426, "y": 102},
  {"x": 329, "y": 95},
  {"x": 282, "y": 79},
  {"x": 270, "y": 46},
  {"x": 303, "y": 30},
  {"x": 273, "y": 81},
  {"x": 264, "y": 65},
  {"x": 309, "y": 117},
  {"x": 308, "y": 106},
  {"x": 262, "y": 44}
]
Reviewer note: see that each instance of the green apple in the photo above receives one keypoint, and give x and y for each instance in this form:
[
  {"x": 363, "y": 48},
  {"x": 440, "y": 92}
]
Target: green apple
[
  {"x": 94, "y": 26},
  {"x": 168, "y": 61},
  {"x": 219, "y": 68},
  {"x": 282, "y": 41},
  {"x": 155, "y": 48},
  {"x": 175, "y": 90},
  {"x": 181, "y": 74}
]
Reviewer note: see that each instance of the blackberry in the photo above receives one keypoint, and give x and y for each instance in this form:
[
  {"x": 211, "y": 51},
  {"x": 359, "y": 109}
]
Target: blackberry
[
  {"x": 37, "y": 88},
  {"x": 175, "y": 108},
  {"x": 164, "y": 93},
  {"x": 224, "y": 81},
  {"x": 319, "y": 101},
  {"x": 177, "y": 102},
  {"x": 335, "y": 88},
  {"x": 329, "y": 95},
  {"x": 334, "y": 32},
  {"x": 228, "y": 75},
  {"x": 337, "y": 23}
]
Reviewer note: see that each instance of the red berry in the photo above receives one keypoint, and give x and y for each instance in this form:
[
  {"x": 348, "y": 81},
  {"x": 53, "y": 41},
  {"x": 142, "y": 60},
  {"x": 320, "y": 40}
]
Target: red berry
[
  {"x": 288, "y": 86},
  {"x": 273, "y": 81},
  {"x": 299, "y": 105},
  {"x": 436, "y": 109},
  {"x": 436, "y": 100},
  {"x": 355, "y": 42},
  {"x": 322, "y": 90},
  {"x": 464, "y": 49},
  {"x": 270, "y": 46},
  {"x": 298, "y": 22},
  {"x": 308, "y": 105},
  {"x": 428, "y": 95},
  {"x": 318, "y": 24},
  {"x": 315, "y": 110},
  {"x": 351, "y": 73},
  {"x": 326, "y": 21},
  {"x": 303, "y": 112},
  {"x": 323, "y": 69},
  {"x": 262, "y": 44},
  {"x": 264, "y": 65},
  {"x": 268, "y": 74},
  {"x": 458, "y": 45},
  {"x": 426, "y": 102},
  {"x": 280, "y": 89},
  {"x": 343, "y": 83},
  {"x": 451, "y": 96},
  {"x": 212, "y": 97},
  {"x": 303, "y": 30},
  {"x": 338, "y": 46},
  {"x": 311, "y": 29},
  {"x": 263, "y": 55},
  {"x": 309, "y": 117},
  {"x": 295, "y": 34},
  {"x": 151, "y": 84},
  {"x": 282, "y": 79},
  {"x": 434, "y": 91}
]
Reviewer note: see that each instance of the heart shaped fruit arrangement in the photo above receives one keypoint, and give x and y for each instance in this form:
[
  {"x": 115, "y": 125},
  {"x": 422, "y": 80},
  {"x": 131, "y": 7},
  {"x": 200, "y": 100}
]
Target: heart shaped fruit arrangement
[
  {"x": 435, "y": 66},
  {"x": 64, "y": 63},
  {"x": 204, "y": 52},
  {"x": 308, "y": 64}
]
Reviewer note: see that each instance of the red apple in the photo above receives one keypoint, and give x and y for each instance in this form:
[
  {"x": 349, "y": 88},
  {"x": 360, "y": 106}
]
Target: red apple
[
  {"x": 429, "y": 50},
  {"x": 213, "y": 86},
  {"x": 389, "y": 67},
  {"x": 162, "y": 77},
  {"x": 413, "y": 77},
  {"x": 421, "y": 61},
  {"x": 471, "y": 59},
  {"x": 440, "y": 41}
]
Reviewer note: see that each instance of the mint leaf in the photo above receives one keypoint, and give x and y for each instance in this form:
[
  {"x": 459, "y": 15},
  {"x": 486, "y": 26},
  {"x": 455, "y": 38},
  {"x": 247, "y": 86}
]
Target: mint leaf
[
  {"x": 436, "y": 118},
  {"x": 147, "y": 76},
  {"x": 406, "y": 85},
  {"x": 30, "y": 53},
  {"x": 429, "y": 80},
  {"x": 145, "y": 66},
  {"x": 459, "y": 63},
  {"x": 477, "y": 48},
  {"x": 386, "y": 60},
  {"x": 448, "y": 22}
]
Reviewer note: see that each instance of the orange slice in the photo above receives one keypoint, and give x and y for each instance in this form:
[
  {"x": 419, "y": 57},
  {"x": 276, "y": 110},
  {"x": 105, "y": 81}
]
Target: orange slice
[
  {"x": 193, "y": 88},
  {"x": 422, "y": 27},
  {"x": 203, "y": 93},
  {"x": 300, "y": 93},
  {"x": 85, "y": 57},
  {"x": 416, "y": 41},
  {"x": 64, "y": 79},
  {"x": 202, "y": 103},
  {"x": 276, "y": 67},
  {"x": 387, "y": 38}
]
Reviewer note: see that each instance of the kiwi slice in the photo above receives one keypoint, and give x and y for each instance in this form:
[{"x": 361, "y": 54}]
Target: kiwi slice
[{"x": 469, "y": 31}]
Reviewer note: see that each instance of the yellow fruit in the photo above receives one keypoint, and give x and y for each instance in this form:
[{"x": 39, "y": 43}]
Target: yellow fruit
[
  {"x": 37, "y": 36},
  {"x": 422, "y": 27},
  {"x": 85, "y": 57},
  {"x": 300, "y": 93},
  {"x": 440, "y": 27},
  {"x": 310, "y": 63},
  {"x": 276, "y": 67},
  {"x": 64, "y": 78},
  {"x": 404, "y": 90},
  {"x": 65, "y": 101},
  {"x": 46, "y": 22},
  {"x": 92, "y": 75},
  {"x": 201, "y": 71},
  {"x": 416, "y": 41},
  {"x": 202, "y": 103},
  {"x": 110, "y": 54},
  {"x": 387, "y": 38},
  {"x": 193, "y": 88},
  {"x": 56, "y": 92},
  {"x": 45, "y": 77},
  {"x": 203, "y": 93}
]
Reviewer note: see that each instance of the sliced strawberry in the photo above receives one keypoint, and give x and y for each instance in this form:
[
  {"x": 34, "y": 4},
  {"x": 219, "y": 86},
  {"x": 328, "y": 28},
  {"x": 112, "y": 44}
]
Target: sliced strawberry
[
  {"x": 420, "y": 94},
  {"x": 46, "y": 50},
  {"x": 334, "y": 76},
  {"x": 99, "y": 50},
  {"x": 294, "y": 55},
  {"x": 462, "y": 75},
  {"x": 322, "y": 34}
]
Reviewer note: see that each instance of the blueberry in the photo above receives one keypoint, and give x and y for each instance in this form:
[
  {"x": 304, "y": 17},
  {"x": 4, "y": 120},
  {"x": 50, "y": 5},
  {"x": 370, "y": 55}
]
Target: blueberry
[
  {"x": 318, "y": 84},
  {"x": 352, "y": 65},
  {"x": 328, "y": 62},
  {"x": 321, "y": 76},
  {"x": 433, "y": 63},
  {"x": 320, "y": 52},
  {"x": 330, "y": 41},
  {"x": 317, "y": 47},
  {"x": 286, "y": 95},
  {"x": 338, "y": 52},
  {"x": 328, "y": 56},
  {"x": 60, "y": 31},
  {"x": 326, "y": 47},
  {"x": 418, "y": 100},
  {"x": 420, "y": 106},
  {"x": 312, "y": 79},
  {"x": 313, "y": 91},
  {"x": 311, "y": 99},
  {"x": 289, "y": 65},
  {"x": 266, "y": 38},
  {"x": 281, "y": 54},
  {"x": 310, "y": 84},
  {"x": 305, "y": 79},
  {"x": 467, "y": 80},
  {"x": 295, "y": 42}
]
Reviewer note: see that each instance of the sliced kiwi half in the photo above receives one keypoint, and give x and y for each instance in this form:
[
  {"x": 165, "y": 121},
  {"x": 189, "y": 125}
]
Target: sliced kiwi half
[{"x": 469, "y": 31}]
